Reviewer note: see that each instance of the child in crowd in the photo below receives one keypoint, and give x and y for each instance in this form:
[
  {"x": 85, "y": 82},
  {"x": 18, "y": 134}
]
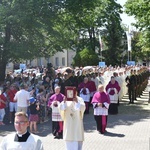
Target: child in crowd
[
  {"x": 33, "y": 117},
  {"x": 42, "y": 99}
]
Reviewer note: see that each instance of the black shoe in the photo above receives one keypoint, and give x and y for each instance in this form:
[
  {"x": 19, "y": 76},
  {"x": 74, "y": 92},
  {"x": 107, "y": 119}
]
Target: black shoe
[
  {"x": 100, "y": 132},
  {"x": 55, "y": 132},
  {"x": 58, "y": 135},
  {"x": 86, "y": 112}
]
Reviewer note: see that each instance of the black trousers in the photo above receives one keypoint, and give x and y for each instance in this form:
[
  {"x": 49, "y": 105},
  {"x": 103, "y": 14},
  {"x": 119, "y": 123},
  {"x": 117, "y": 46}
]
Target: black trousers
[
  {"x": 98, "y": 119},
  {"x": 55, "y": 127},
  {"x": 131, "y": 92}
]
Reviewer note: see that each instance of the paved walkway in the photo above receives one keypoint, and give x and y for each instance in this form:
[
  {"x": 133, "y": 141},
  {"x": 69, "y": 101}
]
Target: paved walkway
[{"x": 129, "y": 130}]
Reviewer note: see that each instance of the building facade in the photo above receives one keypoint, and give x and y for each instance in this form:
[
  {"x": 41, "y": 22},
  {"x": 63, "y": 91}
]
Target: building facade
[{"x": 60, "y": 59}]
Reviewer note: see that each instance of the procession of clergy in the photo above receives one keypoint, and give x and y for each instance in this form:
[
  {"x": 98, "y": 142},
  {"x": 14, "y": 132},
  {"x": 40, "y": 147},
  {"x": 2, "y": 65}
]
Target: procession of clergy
[
  {"x": 104, "y": 88},
  {"x": 135, "y": 76},
  {"x": 130, "y": 80}
]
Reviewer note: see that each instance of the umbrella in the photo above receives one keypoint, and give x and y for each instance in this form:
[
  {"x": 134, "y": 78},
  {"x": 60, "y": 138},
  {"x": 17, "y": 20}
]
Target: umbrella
[
  {"x": 66, "y": 69},
  {"x": 87, "y": 68}
]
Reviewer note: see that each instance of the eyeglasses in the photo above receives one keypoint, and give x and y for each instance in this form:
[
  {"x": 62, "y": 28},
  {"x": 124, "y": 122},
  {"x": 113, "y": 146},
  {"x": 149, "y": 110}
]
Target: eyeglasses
[{"x": 20, "y": 123}]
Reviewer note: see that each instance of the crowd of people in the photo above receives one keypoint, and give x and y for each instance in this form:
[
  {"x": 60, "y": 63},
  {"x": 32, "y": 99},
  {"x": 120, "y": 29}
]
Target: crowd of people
[{"x": 101, "y": 88}]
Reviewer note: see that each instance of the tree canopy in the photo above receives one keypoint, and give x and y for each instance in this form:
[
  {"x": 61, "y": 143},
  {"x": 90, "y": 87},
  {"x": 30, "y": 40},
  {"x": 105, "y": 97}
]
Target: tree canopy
[
  {"x": 141, "y": 11},
  {"x": 34, "y": 28},
  {"x": 27, "y": 30},
  {"x": 86, "y": 57}
]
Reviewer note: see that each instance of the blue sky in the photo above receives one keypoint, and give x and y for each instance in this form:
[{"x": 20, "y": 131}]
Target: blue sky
[{"x": 125, "y": 18}]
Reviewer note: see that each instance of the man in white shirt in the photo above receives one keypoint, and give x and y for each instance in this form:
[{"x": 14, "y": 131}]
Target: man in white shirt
[
  {"x": 95, "y": 79},
  {"x": 100, "y": 78},
  {"x": 22, "y": 97}
]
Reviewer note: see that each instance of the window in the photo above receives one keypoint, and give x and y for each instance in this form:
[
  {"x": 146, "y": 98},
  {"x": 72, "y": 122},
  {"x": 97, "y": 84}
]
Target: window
[
  {"x": 63, "y": 61},
  {"x": 57, "y": 61}
]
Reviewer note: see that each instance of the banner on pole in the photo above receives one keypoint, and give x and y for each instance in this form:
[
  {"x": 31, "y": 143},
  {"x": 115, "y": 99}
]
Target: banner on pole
[{"x": 128, "y": 40}]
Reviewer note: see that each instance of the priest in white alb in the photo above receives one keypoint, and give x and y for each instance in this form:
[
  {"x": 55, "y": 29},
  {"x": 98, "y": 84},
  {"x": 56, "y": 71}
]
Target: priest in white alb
[{"x": 72, "y": 113}]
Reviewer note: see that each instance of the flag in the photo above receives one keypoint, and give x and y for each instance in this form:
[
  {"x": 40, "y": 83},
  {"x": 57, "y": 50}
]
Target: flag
[
  {"x": 100, "y": 42},
  {"x": 128, "y": 40}
]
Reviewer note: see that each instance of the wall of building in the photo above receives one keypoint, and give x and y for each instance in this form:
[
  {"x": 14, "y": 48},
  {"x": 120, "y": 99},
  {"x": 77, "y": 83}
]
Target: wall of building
[{"x": 60, "y": 59}]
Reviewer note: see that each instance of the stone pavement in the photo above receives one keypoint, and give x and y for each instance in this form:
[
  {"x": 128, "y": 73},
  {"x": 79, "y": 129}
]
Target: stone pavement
[{"x": 129, "y": 130}]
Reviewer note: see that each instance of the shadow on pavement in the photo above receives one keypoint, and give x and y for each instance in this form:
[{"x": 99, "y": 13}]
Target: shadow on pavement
[
  {"x": 45, "y": 128},
  {"x": 113, "y": 134},
  {"x": 128, "y": 114}
]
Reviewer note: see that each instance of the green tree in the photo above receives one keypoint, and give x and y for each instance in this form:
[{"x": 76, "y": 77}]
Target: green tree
[
  {"x": 136, "y": 49},
  {"x": 141, "y": 11},
  {"x": 87, "y": 17},
  {"x": 86, "y": 57},
  {"x": 35, "y": 28},
  {"x": 26, "y": 30},
  {"x": 113, "y": 35}
]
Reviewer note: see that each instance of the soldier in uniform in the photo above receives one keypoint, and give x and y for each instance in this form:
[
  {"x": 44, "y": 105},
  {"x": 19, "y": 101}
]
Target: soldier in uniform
[
  {"x": 140, "y": 83},
  {"x": 136, "y": 84},
  {"x": 130, "y": 80}
]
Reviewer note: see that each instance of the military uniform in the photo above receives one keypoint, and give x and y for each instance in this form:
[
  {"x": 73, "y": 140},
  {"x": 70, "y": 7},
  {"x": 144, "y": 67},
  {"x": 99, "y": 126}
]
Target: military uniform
[{"x": 131, "y": 82}]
